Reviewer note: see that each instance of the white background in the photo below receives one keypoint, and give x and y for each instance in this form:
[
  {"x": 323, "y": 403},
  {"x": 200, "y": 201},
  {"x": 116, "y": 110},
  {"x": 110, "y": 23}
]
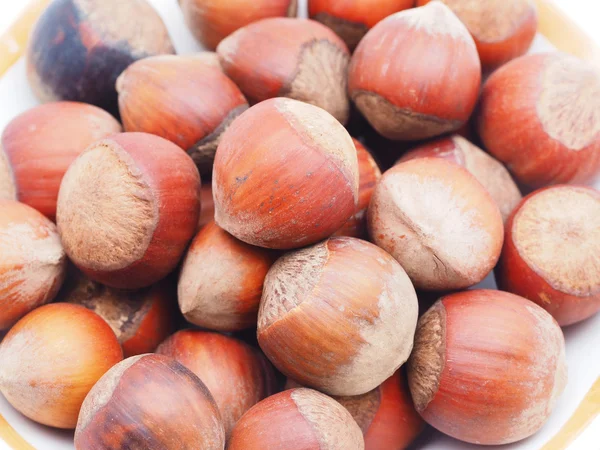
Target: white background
[{"x": 583, "y": 341}]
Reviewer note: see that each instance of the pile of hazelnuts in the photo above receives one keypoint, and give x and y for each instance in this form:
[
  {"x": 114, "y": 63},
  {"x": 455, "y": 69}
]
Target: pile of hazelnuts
[{"x": 236, "y": 205}]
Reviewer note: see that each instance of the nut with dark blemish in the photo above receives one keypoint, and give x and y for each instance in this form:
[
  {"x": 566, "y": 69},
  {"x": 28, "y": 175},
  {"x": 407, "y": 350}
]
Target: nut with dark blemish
[
  {"x": 127, "y": 208},
  {"x": 352, "y": 19},
  {"x": 182, "y": 99},
  {"x": 489, "y": 172},
  {"x": 221, "y": 280},
  {"x": 416, "y": 74},
  {"x": 51, "y": 358},
  {"x": 151, "y": 402},
  {"x": 237, "y": 375},
  {"x": 338, "y": 316},
  {"x": 297, "y": 419},
  {"x": 368, "y": 176},
  {"x": 487, "y": 367},
  {"x": 41, "y": 143},
  {"x": 33, "y": 262},
  {"x": 79, "y": 48},
  {"x": 550, "y": 253},
  {"x": 502, "y": 29},
  {"x": 310, "y": 65},
  {"x": 140, "y": 319},
  {"x": 211, "y": 21},
  {"x": 283, "y": 139},
  {"x": 438, "y": 221},
  {"x": 540, "y": 115},
  {"x": 385, "y": 415}
]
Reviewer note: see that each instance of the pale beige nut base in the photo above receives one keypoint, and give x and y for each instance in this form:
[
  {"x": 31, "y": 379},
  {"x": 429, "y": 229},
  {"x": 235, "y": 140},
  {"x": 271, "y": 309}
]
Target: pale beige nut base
[
  {"x": 557, "y": 233},
  {"x": 106, "y": 213},
  {"x": 8, "y": 190}
]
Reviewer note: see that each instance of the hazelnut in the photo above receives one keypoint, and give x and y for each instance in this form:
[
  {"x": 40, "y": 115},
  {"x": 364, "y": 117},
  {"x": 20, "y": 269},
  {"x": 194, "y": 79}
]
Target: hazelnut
[
  {"x": 79, "y": 47},
  {"x": 149, "y": 401},
  {"x": 127, "y": 208},
  {"x": 32, "y": 261},
  {"x": 539, "y": 116},
  {"x": 285, "y": 175},
  {"x": 310, "y": 64},
  {"x": 416, "y": 74},
  {"x": 51, "y": 358},
  {"x": 338, "y": 316},
  {"x": 487, "y": 367},
  {"x": 352, "y": 19},
  {"x": 297, "y": 419},
  {"x": 221, "y": 280},
  {"x": 550, "y": 253},
  {"x": 41, "y": 143},
  {"x": 438, "y": 221},
  {"x": 502, "y": 29},
  {"x": 211, "y": 21},
  {"x": 181, "y": 99}
]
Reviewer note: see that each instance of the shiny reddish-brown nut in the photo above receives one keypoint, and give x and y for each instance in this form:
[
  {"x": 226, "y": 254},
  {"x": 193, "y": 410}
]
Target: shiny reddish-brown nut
[
  {"x": 539, "y": 116},
  {"x": 211, "y": 21},
  {"x": 368, "y": 176},
  {"x": 140, "y": 319},
  {"x": 385, "y": 415},
  {"x": 310, "y": 64},
  {"x": 51, "y": 358},
  {"x": 221, "y": 280},
  {"x": 79, "y": 47},
  {"x": 207, "y": 205},
  {"x": 487, "y": 367},
  {"x": 502, "y": 29},
  {"x": 338, "y": 316},
  {"x": 182, "y": 99},
  {"x": 237, "y": 375},
  {"x": 550, "y": 253},
  {"x": 40, "y": 144},
  {"x": 285, "y": 175},
  {"x": 32, "y": 261},
  {"x": 488, "y": 171},
  {"x": 297, "y": 419},
  {"x": 150, "y": 402},
  {"x": 416, "y": 74},
  {"x": 127, "y": 208},
  {"x": 438, "y": 221},
  {"x": 352, "y": 19}
]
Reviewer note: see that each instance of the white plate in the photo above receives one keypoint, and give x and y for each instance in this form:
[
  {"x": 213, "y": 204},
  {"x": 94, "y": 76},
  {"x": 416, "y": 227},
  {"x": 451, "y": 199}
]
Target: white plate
[{"x": 583, "y": 340}]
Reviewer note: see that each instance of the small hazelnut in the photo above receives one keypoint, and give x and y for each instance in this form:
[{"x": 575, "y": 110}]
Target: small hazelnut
[
  {"x": 416, "y": 74},
  {"x": 438, "y": 221},
  {"x": 221, "y": 280},
  {"x": 32, "y": 261},
  {"x": 297, "y": 419},
  {"x": 181, "y": 99},
  {"x": 51, "y": 358},
  {"x": 310, "y": 64},
  {"x": 151, "y": 402},
  {"x": 550, "y": 253},
  {"x": 539, "y": 116},
  {"x": 41, "y": 143},
  {"x": 79, "y": 47}
]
